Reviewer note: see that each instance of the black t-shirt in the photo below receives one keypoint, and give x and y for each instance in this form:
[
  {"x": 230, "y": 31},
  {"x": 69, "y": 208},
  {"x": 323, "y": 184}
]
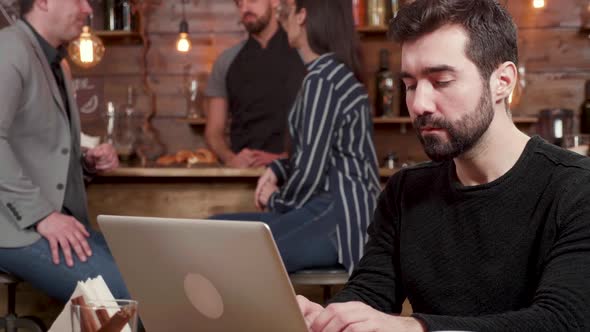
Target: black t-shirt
[
  {"x": 510, "y": 255},
  {"x": 262, "y": 84}
]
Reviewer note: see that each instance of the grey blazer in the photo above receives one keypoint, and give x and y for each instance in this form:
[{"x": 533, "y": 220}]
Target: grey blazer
[{"x": 35, "y": 137}]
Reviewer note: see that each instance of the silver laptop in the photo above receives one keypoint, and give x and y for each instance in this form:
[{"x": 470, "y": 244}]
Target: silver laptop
[{"x": 203, "y": 275}]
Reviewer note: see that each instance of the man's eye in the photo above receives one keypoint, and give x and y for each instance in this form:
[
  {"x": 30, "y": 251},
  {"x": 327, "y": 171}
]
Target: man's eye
[
  {"x": 410, "y": 87},
  {"x": 442, "y": 84}
]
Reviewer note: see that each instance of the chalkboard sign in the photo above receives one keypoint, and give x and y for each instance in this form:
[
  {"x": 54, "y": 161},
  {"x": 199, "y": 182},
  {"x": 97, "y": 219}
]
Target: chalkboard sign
[{"x": 89, "y": 93}]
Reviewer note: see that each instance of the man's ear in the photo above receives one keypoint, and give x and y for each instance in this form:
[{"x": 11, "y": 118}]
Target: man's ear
[
  {"x": 503, "y": 81},
  {"x": 43, "y": 5},
  {"x": 301, "y": 16}
]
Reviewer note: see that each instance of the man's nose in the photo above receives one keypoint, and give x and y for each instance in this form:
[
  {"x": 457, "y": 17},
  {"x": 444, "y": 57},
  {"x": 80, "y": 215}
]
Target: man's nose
[
  {"x": 243, "y": 6},
  {"x": 421, "y": 101}
]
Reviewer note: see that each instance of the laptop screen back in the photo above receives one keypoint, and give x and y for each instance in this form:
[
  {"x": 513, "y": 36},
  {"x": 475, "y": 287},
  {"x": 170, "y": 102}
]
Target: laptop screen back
[{"x": 203, "y": 275}]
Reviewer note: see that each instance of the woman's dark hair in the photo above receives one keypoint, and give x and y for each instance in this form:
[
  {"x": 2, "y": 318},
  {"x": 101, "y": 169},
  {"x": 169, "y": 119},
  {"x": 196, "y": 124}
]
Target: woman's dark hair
[
  {"x": 25, "y": 6},
  {"x": 492, "y": 37},
  {"x": 330, "y": 28}
]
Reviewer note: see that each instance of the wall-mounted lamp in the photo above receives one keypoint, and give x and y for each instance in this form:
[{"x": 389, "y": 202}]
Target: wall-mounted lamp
[
  {"x": 538, "y": 4},
  {"x": 87, "y": 50},
  {"x": 183, "y": 44}
]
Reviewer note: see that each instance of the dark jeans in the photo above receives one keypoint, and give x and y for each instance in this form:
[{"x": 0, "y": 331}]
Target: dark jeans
[
  {"x": 34, "y": 265},
  {"x": 305, "y": 236}
]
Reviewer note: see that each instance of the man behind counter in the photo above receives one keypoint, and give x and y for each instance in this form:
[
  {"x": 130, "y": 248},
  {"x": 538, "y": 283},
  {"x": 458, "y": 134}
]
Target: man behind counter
[{"x": 252, "y": 86}]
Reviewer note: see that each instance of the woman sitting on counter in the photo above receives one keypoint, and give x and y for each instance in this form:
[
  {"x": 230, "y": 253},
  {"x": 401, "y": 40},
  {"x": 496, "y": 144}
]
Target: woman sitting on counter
[{"x": 320, "y": 200}]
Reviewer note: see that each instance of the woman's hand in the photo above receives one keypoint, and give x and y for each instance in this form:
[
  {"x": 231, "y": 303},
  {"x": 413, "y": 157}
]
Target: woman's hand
[{"x": 267, "y": 184}]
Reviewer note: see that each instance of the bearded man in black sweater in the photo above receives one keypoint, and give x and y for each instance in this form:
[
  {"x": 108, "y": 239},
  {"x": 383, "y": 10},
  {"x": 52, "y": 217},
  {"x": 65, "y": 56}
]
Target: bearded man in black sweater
[{"x": 494, "y": 233}]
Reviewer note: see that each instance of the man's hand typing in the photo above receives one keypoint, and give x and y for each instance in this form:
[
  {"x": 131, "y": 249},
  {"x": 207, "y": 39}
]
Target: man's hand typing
[{"x": 353, "y": 316}]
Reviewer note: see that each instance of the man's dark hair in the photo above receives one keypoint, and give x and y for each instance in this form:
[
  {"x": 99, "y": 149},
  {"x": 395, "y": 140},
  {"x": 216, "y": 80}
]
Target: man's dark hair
[
  {"x": 492, "y": 37},
  {"x": 330, "y": 28},
  {"x": 25, "y": 6}
]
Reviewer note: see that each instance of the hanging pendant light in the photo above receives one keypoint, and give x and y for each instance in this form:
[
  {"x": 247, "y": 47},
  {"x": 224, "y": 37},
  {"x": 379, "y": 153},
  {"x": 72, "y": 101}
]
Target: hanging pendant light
[
  {"x": 538, "y": 4},
  {"x": 183, "y": 44},
  {"x": 87, "y": 50}
]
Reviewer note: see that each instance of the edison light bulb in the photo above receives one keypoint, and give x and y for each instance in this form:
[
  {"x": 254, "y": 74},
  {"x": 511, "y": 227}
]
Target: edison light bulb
[
  {"x": 538, "y": 3},
  {"x": 87, "y": 50},
  {"x": 183, "y": 44}
]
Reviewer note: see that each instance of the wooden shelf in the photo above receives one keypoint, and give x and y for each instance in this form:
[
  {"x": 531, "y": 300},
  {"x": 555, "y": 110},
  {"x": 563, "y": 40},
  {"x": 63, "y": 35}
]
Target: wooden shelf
[
  {"x": 372, "y": 29},
  {"x": 525, "y": 119},
  {"x": 382, "y": 120},
  {"x": 194, "y": 122},
  {"x": 118, "y": 35}
]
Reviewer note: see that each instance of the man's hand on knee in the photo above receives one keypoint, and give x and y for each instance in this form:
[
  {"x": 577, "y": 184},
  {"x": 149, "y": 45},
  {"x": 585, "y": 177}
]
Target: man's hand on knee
[{"x": 66, "y": 232}]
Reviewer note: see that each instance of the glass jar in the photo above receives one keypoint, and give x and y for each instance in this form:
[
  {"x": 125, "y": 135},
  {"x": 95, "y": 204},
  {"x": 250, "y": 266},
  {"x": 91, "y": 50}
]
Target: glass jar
[{"x": 121, "y": 129}]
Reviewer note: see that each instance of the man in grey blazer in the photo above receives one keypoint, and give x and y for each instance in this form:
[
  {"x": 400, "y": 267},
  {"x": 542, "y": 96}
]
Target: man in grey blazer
[{"x": 45, "y": 237}]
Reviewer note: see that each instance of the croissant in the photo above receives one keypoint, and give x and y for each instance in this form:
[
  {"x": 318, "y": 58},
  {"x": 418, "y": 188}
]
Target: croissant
[
  {"x": 166, "y": 160},
  {"x": 183, "y": 155},
  {"x": 205, "y": 156}
]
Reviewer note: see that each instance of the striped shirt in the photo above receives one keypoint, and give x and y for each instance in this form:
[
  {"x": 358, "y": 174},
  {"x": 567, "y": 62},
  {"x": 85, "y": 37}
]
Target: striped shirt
[{"x": 332, "y": 151}]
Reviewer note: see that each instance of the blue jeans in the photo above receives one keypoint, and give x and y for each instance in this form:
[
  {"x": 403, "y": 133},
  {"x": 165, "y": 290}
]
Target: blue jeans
[
  {"x": 305, "y": 237},
  {"x": 34, "y": 265}
]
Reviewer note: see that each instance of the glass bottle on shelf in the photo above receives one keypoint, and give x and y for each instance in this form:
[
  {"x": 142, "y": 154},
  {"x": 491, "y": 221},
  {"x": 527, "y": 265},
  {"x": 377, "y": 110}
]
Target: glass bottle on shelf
[
  {"x": 109, "y": 15},
  {"x": 394, "y": 7},
  {"x": 191, "y": 94},
  {"x": 110, "y": 119},
  {"x": 359, "y": 8},
  {"x": 384, "y": 86},
  {"x": 124, "y": 16},
  {"x": 376, "y": 13},
  {"x": 126, "y": 128}
]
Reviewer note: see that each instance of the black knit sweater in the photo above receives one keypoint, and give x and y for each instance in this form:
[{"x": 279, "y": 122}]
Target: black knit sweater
[{"x": 510, "y": 255}]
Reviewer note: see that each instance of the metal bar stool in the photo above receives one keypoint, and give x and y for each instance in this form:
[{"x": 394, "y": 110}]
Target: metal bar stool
[
  {"x": 11, "y": 322},
  {"x": 324, "y": 277}
]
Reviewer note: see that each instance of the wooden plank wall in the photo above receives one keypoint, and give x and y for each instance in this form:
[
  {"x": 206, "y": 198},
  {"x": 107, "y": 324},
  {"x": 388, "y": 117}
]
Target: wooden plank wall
[{"x": 555, "y": 53}]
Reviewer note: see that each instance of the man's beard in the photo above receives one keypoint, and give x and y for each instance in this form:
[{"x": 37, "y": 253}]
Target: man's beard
[
  {"x": 463, "y": 135},
  {"x": 259, "y": 24}
]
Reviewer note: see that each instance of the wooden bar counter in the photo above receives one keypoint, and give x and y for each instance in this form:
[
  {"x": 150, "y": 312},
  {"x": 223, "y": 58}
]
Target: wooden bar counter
[{"x": 195, "y": 192}]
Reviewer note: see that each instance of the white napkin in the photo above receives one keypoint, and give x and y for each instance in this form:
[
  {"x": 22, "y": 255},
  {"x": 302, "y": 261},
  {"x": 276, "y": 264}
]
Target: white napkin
[{"x": 93, "y": 290}]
